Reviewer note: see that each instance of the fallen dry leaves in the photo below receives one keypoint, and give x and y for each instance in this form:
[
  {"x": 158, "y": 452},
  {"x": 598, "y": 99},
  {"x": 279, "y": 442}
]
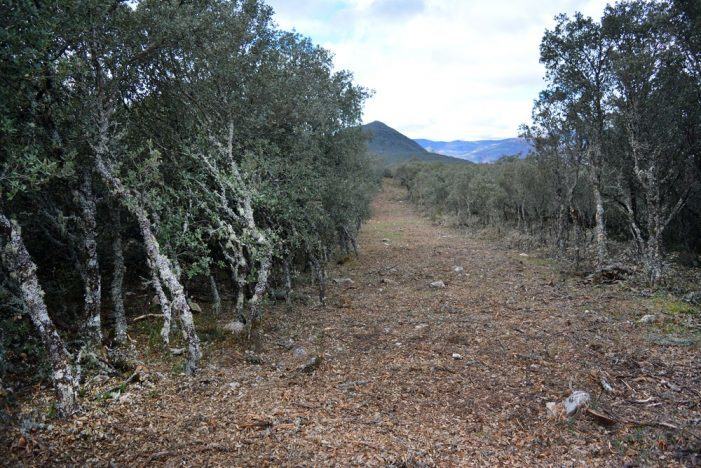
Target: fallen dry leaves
[{"x": 389, "y": 390}]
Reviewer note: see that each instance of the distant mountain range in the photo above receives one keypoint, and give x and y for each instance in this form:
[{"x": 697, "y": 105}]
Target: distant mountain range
[
  {"x": 394, "y": 148},
  {"x": 482, "y": 151}
]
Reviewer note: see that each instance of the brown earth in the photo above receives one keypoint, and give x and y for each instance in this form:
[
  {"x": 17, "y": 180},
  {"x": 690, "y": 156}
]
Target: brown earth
[{"x": 389, "y": 390}]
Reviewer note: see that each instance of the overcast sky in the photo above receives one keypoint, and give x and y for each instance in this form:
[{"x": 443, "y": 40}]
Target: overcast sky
[{"x": 440, "y": 69}]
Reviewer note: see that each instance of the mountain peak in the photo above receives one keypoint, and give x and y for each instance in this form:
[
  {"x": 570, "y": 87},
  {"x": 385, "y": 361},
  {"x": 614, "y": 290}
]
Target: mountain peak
[{"x": 393, "y": 147}]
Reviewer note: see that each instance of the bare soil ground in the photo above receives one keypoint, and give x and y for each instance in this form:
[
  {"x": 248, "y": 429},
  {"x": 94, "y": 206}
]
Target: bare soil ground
[{"x": 389, "y": 390}]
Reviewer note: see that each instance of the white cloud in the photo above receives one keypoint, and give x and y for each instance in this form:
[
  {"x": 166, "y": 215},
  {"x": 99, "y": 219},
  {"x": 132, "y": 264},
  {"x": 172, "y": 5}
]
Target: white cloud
[{"x": 440, "y": 69}]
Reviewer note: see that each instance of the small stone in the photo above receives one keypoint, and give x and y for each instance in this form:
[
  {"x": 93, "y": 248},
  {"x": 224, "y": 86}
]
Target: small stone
[
  {"x": 312, "y": 364},
  {"x": 177, "y": 351},
  {"x": 286, "y": 344},
  {"x": 299, "y": 352},
  {"x": 554, "y": 409},
  {"x": 438, "y": 285},
  {"x": 386, "y": 241},
  {"x": 523, "y": 255},
  {"x": 253, "y": 358},
  {"x": 459, "y": 269},
  {"x": 693, "y": 298},
  {"x": 606, "y": 385},
  {"x": 343, "y": 281},
  {"x": 233, "y": 385},
  {"x": 457, "y": 357},
  {"x": 449, "y": 309},
  {"x": 574, "y": 402},
  {"x": 195, "y": 307},
  {"x": 648, "y": 319},
  {"x": 235, "y": 327},
  {"x": 421, "y": 326}
]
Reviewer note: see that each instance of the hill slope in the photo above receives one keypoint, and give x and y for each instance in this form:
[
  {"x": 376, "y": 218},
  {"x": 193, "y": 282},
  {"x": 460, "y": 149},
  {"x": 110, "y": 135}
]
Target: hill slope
[
  {"x": 482, "y": 151},
  {"x": 394, "y": 148}
]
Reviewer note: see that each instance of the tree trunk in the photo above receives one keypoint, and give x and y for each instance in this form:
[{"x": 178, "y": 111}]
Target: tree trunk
[
  {"x": 120, "y": 320},
  {"x": 159, "y": 262},
  {"x": 254, "y": 313},
  {"x": 320, "y": 278},
  {"x": 600, "y": 228},
  {"x": 354, "y": 242},
  {"x": 90, "y": 268},
  {"x": 653, "y": 260},
  {"x": 165, "y": 306},
  {"x": 288, "y": 280},
  {"x": 216, "y": 298},
  {"x": 238, "y": 284},
  {"x": 17, "y": 260}
]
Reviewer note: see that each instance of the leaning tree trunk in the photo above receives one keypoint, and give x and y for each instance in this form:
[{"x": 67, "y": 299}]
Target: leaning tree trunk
[
  {"x": 160, "y": 263},
  {"x": 120, "y": 319},
  {"x": 90, "y": 267},
  {"x": 19, "y": 262}
]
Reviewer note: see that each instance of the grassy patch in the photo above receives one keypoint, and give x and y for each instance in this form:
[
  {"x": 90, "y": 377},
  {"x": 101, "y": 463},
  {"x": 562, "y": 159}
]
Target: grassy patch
[
  {"x": 536, "y": 261},
  {"x": 388, "y": 230},
  {"x": 673, "y": 307}
]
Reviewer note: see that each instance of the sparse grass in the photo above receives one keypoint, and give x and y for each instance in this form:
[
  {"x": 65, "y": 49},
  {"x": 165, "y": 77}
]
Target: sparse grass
[
  {"x": 668, "y": 305},
  {"x": 208, "y": 329},
  {"x": 389, "y": 230},
  {"x": 538, "y": 261}
]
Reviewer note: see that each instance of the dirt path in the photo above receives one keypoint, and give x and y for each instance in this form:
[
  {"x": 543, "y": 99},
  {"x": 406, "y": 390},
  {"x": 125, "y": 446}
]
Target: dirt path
[{"x": 390, "y": 392}]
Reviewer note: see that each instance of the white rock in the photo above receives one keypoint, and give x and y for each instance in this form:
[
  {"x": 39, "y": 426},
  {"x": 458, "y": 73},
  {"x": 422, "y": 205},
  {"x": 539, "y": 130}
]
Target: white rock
[
  {"x": 459, "y": 269},
  {"x": 457, "y": 356},
  {"x": 574, "y": 402},
  {"x": 177, "y": 351},
  {"x": 343, "y": 281},
  {"x": 233, "y": 385},
  {"x": 648, "y": 319},
  {"x": 438, "y": 285},
  {"x": 195, "y": 307},
  {"x": 421, "y": 326},
  {"x": 299, "y": 352},
  {"x": 235, "y": 327},
  {"x": 523, "y": 255}
]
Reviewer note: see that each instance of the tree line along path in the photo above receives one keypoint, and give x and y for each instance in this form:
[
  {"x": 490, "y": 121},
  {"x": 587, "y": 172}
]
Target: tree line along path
[{"x": 394, "y": 371}]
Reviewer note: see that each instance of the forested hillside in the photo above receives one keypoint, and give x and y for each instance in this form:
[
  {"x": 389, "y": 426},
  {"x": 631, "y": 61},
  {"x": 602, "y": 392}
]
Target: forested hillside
[
  {"x": 616, "y": 134},
  {"x": 168, "y": 143},
  {"x": 391, "y": 147}
]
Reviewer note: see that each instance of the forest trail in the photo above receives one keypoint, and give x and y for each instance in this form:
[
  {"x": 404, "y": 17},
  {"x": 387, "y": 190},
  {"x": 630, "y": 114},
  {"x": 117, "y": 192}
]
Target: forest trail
[{"x": 390, "y": 390}]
